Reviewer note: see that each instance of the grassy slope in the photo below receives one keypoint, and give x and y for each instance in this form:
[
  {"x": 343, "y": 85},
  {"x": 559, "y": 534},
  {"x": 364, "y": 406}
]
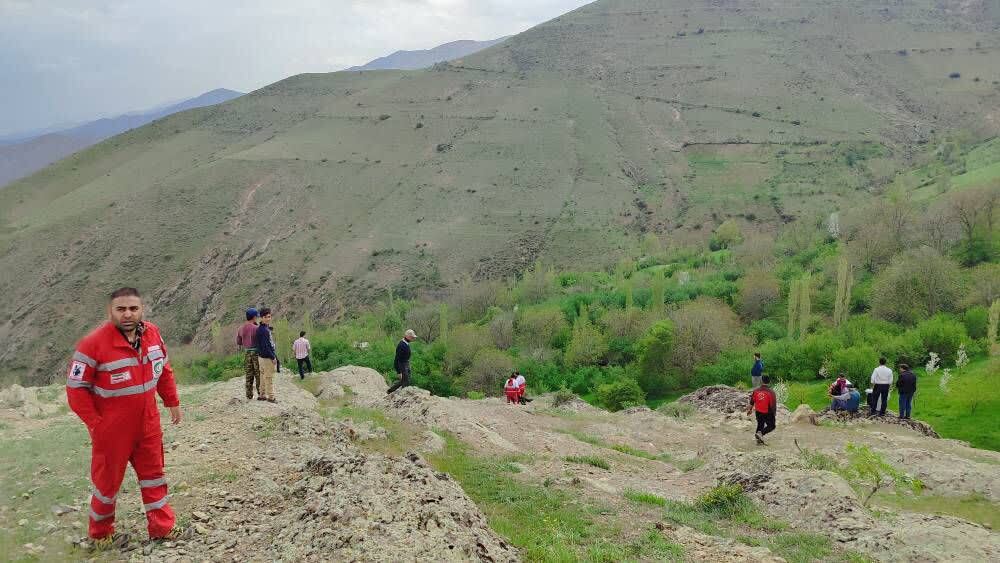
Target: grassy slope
[
  {"x": 967, "y": 412},
  {"x": 289, "y": 196}
]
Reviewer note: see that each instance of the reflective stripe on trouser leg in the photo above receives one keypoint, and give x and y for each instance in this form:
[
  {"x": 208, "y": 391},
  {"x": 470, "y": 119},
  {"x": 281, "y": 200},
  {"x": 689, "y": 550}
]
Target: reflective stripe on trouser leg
[
  {"x": 147, "y": 460},
  {"x": 107, "y": 470}
]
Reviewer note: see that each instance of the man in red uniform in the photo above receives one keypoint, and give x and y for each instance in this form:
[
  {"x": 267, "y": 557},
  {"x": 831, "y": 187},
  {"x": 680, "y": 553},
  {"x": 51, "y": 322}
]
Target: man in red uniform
[
  {"x": 764, "y": 403},
  {"x": 111, "y": 382}
]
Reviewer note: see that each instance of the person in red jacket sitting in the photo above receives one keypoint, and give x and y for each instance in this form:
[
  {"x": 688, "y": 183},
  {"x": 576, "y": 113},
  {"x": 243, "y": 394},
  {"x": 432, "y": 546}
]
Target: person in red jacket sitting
[
  {"x": 113, "y": 379},
  {"x": 764, "y": 403},
  {"x": 512, "y": 390}
]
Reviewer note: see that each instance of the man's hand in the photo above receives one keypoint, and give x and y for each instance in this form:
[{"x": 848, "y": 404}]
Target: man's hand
[{"x": 175, "y": 415}]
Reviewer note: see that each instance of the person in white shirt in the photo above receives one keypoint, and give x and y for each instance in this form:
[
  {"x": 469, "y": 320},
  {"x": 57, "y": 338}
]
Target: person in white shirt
[
  {"x": 881, "y": 381},
  {"x": 301, "y": 347},
  {"x": 522, "y": 387}
]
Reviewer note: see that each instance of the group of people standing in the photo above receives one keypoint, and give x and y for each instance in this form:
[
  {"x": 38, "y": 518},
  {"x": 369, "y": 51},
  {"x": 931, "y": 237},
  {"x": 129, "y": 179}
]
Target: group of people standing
[
  {"x": 843, "y": 394},
  {"x": 255, "y": 338}
]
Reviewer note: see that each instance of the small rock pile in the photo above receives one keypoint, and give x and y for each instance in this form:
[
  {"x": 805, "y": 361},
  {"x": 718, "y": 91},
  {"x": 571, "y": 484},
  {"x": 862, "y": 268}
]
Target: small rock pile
[
  {"x": 722, "y": 398},
  {"x": 861, "y": 417}
]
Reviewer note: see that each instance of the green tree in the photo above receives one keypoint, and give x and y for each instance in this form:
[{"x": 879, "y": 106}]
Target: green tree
[
  {"x": 868, "y": 471},
  {"x": 805, "y": 305},
  {"x": 587, "y": 345},
  {"x": 917, "y": 284},
  {"x": 655, "y": 351},
  {"x": 793, "y": 306},
  {"x": 842, "y": 302},
  {"x": 620, "y": 394},
  {"x": 728, "y": 234}
]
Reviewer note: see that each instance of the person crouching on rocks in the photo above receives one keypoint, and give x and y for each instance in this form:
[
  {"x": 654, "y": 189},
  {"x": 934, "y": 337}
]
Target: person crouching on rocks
[
  {"x": 512, "y": 391},
  {"x": 764, "y": 404},
  {"x": 522, "y": 388}
]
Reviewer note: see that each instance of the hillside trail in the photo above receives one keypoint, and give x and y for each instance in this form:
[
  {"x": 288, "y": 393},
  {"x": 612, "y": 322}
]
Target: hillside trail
[{"x": 288, "y": 481}]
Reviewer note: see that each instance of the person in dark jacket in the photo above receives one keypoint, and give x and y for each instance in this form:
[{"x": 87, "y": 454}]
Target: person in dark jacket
[
  {"x": 402, "y": 361},
  {"x": 266, "y": 356},
  {"x": 906, "y": 385},
  {"x": 757, "y": 370}
]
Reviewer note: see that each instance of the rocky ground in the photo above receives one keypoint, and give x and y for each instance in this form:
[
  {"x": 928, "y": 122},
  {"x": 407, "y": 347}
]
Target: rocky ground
[{"x": 287, "y": 481}]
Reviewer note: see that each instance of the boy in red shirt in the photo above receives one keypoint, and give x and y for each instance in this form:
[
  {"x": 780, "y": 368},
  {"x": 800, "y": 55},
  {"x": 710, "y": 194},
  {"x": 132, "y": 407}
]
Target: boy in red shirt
[{"x": 764, "y": 404}]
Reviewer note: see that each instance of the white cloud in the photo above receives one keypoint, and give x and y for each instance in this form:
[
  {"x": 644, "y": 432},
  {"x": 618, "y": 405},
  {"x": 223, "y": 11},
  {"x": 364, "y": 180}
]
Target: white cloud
[{"x": 66, "y": 60}]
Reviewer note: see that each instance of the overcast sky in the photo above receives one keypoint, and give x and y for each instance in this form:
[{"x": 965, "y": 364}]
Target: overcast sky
[{"x": 65, "y": 61}]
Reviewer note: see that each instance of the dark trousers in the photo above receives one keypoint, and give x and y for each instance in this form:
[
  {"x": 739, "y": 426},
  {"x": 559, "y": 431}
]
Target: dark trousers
[
  {"x": 304, "y": 362},
  {"x": 905, "y": 404},
  {"x": 404, "y": 380},
  {"x": 880, "y": 391},
  {"x": 765, "y": 422}
]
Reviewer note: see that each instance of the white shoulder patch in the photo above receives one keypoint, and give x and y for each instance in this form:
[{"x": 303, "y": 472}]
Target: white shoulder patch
[{"x": 76, "y": 371}]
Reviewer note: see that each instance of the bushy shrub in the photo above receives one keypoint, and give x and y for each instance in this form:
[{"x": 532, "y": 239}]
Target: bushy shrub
[
  {"x": 463, "y": 344},
  {"x": 976, "y": 320},
  {"x": 502, "y": 329},
  {"x": 942, "y": 334},
  {"x": 764, "y": 330},
  {"x": 759, "y": 293},
  {"x": 857, "y": 362},
  {"x": 702, "y": 329},
  {"x": 540, "y": 328},
  {"x": 425, "y": 320},
  {"x": 489, "y": 370},
  {"x": 917, "y": 284},
  {"x": 620, "y": 394},
  {"x": 731, "y": 367},
  {"x": 586, "y": 346},
  {"x": 725, "y": 501},
  {"x": 677, "y": 410},
  {"x": 563, "y": 397}
]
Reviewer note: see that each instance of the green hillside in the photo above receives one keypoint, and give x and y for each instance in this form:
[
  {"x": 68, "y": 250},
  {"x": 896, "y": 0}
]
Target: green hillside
[{"x": 569, "y": 142}]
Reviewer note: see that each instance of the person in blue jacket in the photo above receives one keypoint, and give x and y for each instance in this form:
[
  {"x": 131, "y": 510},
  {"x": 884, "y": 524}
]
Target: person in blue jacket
[{"x": 757, "y": 371}]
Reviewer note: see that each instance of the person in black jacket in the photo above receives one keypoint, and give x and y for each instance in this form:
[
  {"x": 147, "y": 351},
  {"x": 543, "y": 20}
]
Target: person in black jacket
[
  {"x": 402, "y": 361},
  {"x": 906, "y": 385}
]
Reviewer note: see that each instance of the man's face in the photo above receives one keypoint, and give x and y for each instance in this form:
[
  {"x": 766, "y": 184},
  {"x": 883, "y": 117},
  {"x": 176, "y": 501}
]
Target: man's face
[
  {"x": 126, "y": 312},
  {"x": 266, "y": 319}
]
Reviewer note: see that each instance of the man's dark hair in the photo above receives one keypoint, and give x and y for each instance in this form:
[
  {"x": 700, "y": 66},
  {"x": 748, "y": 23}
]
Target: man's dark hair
[
  {"x": 904, "y": 367},
  {"x": 756, "y": 355},
  {"x": 265, "y": 311},
  {"x": 124, "y": 292},
  {"x": 302, "y": 333},
  {"x": 881, "y": 361},
  {"x": 765, "y": 380}
]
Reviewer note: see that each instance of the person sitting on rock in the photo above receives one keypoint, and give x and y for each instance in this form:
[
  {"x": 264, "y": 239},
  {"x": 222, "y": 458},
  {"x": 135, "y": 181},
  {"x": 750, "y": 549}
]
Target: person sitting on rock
[
  {"x": 839, "y": 386},
  {"x": 849, "y": 400},
  {"x": 512, "y": 391}
]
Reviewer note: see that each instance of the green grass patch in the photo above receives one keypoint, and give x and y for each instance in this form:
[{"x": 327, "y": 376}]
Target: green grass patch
[
  {"x": 636, "y": 452},
  {"x": 593, "y": 460},
  {"x": 967, "y": 412},
  {"x": 547, "y": 523},
  {"x": 974, "y": 507},
  {"x": 47, "y": 467},
  {"x": 797, "y": 547},
  {"x": 644, "y": 498}
]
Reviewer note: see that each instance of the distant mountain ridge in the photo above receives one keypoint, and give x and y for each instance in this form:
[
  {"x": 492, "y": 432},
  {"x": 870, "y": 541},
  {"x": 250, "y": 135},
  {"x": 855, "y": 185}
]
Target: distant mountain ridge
[
  {"x": 24, "y": 156},
  {"x": 412, "y": 60}
]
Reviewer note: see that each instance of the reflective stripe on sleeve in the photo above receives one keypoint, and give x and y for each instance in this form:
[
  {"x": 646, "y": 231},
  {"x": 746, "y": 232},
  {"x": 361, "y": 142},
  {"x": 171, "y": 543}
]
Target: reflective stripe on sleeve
[
  {"x": 147, "y": 483},
  {"x": 78, "y": 384},
  {"x": 81, "y": 357},
  {"x": 155, "y": 505},
  {"x": 122, "y": 363}
]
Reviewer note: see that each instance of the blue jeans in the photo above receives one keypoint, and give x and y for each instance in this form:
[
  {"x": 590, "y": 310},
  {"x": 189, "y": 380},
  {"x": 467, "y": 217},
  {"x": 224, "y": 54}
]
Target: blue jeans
[{"x": 905, "y": 404}]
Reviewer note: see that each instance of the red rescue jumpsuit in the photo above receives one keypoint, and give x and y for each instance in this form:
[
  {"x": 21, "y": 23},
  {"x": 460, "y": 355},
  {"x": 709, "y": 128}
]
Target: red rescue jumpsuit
[{"x": 110, "y": 386}]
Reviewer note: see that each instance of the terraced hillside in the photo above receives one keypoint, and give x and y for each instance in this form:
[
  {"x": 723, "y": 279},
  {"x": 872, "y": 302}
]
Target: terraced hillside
[{"x": 568, "y": 142}]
